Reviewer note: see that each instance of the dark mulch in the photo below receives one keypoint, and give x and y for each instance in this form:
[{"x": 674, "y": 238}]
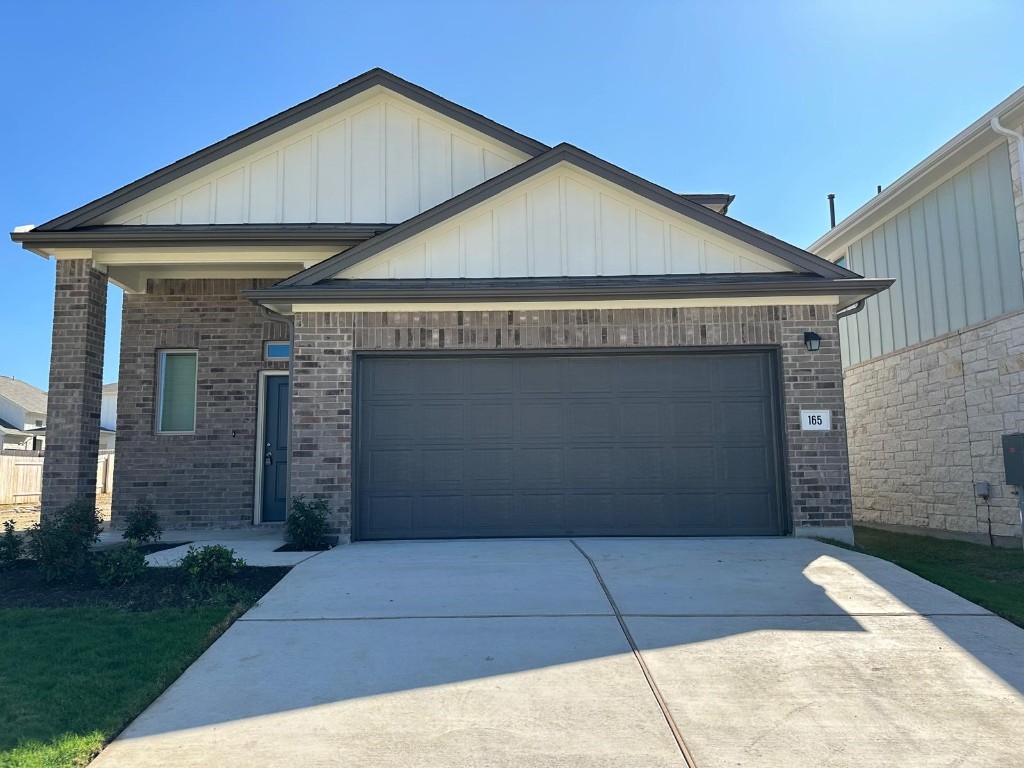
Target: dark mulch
[
  {"x": 297, "y": 548},
  {"x": 24, "y": 586}
]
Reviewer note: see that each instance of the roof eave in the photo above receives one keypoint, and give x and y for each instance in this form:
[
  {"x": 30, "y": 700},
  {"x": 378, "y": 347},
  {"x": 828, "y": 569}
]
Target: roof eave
[{"x": 921, "y": 178}]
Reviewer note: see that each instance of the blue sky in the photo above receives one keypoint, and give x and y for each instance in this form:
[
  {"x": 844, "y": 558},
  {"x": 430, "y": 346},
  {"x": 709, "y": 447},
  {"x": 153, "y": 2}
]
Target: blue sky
[{"x": 779, "y": 103}]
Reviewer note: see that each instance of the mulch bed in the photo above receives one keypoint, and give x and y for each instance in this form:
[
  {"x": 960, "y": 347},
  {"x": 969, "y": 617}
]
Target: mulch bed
[
  {"x": 24, "y": 586},
  {"x": 296, "y": 548}
]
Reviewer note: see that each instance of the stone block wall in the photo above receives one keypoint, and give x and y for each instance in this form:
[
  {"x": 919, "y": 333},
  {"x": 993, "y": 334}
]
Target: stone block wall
[
  {"x": 926, "y": 423},
  {"x": 324, "y": 343},
  {"x": 205, "y": 479},
  {"x": 76, "y": 384}
]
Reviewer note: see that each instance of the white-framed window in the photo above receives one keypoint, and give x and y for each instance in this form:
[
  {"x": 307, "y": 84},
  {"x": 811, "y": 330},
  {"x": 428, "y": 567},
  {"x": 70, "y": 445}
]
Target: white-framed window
[
  {"x": 276, "y": 350},
  {"x": 176, "y": 396}
]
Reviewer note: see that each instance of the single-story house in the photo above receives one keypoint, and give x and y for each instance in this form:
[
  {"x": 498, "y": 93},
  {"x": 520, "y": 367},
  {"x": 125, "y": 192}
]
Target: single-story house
[
  {"x": 446, "y": 329},
  {"x": 934, "y": 368}
]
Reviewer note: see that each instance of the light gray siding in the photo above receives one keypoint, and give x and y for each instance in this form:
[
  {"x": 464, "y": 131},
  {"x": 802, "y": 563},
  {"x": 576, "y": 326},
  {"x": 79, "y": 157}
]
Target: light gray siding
[{"x": 955, "y": 257}]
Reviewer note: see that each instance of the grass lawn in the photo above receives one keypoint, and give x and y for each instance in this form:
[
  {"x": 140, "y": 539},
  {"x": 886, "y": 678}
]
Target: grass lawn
[
  {"x": 72, "y": 677},
  {"x": 991, "y": 577}
]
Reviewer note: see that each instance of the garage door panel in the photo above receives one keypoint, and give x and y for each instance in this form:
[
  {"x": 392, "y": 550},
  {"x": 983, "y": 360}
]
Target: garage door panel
[
  {"x": 692, "y": 420},
  {"x": 393, "y": 469},
  {"x": 442, "y": 422},
  {"x": 743, "y": 420},
  {"x": 443, "y": 468},
  {"x": 519, "y": 444},
  {"x": 541, "y": 420},
  {"x": 490, "y": 511},
  {"x": 439, "y": 513},
  {"x": 541, "y": 510},
  {"x": 642, "y": 419},
  {"x": 392, "y": 422},
  {"x": 540, "y": 467},
  {"x": 490, "y": 468}
]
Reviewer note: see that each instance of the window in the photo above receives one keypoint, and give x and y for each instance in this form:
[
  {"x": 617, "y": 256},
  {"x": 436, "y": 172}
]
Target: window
[
  {"x": 276, "y": 350},
  {"x": 177, "y": 397},
  {"x": 39, "y": 422}
]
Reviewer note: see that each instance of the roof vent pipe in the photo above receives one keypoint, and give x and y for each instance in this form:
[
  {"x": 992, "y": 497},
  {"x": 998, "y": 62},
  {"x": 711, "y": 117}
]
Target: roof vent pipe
[
  {"x": 832, "y": 210},
  {"x": 999, "y": 128}
]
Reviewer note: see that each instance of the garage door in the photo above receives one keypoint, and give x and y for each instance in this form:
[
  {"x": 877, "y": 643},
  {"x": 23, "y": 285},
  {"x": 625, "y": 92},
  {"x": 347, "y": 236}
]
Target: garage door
[{"x": 671, "y": 444}]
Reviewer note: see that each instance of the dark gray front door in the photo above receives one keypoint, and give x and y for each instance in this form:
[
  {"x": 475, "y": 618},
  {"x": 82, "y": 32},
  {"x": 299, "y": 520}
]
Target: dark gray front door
[
  {"x": 275, "y": 450},
  {"x": 556, "y": 445}
]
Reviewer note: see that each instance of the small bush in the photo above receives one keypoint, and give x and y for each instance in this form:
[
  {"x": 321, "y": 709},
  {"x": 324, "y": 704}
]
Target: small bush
[
  {"x": 118, "y": 567},
  {"x": 211, "y": 564},
  {"x": 306, "y": 526},
  {"x": 10, "y": 546},
  {"x": 61, "y": 543},
  {"x": 142, "y": 524}
]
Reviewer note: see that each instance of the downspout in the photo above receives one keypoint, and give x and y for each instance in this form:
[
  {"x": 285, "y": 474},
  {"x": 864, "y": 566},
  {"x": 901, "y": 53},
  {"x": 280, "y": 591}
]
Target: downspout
[
  {"x": 290, "y": 322},
  {"x": 850, "y": 311},
  {"x": 1000, "y": 128}
]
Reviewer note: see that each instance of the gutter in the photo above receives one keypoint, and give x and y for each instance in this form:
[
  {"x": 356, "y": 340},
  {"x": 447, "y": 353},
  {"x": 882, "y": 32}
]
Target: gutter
[{"x": 1001, "y": 129}]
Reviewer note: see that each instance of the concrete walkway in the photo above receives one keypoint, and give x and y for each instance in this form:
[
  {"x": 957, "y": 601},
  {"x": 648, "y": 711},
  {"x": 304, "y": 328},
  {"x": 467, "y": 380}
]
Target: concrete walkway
[{"x": 770, "y": 652}]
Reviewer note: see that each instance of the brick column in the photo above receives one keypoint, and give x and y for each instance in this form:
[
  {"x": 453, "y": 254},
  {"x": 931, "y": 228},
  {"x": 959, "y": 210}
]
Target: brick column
[{"x": 76, "y": 384}]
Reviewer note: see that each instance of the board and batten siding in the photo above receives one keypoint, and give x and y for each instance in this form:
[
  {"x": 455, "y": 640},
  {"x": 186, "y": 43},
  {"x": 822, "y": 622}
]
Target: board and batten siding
[
  {"x": 381, "y": 161},
  {"x": 561, "y": 222},
  {"x": 955, "y": 256}
]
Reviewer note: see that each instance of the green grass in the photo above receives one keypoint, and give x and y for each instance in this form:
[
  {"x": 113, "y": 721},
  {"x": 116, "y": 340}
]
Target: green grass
[
  {"x": 991, "y": 577},
  {"x": 72, "y": 678}
]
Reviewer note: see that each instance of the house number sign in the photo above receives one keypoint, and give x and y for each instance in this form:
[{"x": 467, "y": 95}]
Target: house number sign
[{"x": 820, "y": 421}]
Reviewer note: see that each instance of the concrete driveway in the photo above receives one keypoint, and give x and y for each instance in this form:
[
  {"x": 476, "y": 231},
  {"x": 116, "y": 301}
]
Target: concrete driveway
[{"x": 768, "y": 652}]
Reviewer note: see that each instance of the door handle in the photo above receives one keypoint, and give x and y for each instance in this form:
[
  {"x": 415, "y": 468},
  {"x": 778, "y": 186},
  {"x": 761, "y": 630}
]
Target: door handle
[{"x": 268, "y": 459}]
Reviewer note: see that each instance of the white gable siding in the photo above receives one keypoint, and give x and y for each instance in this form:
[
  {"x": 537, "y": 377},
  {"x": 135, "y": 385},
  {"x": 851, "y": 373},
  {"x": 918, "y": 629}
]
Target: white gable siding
[
  {"x": 565, "y": 222},
  {"x": 383, "y": 159}
]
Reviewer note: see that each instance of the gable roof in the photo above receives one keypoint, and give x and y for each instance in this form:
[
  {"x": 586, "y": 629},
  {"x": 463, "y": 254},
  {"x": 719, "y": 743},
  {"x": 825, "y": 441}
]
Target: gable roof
[
  {"x": 801, "y": 260},
  {"x": 308, "y": 108},
  {"x": 23, "y": 394}
]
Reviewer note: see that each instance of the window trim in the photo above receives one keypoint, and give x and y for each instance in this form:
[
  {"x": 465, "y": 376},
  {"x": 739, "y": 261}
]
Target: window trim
[{"x": 162, "y": 359}]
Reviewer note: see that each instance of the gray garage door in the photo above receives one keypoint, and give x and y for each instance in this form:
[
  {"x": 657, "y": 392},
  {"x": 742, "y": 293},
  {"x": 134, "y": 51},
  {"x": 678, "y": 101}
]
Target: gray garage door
[{"x": 671, "y": 444}]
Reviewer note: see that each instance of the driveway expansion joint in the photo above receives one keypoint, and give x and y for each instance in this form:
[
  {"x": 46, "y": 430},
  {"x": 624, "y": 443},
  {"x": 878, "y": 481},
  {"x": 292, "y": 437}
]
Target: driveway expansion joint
[{"x": 662, "y": 704}]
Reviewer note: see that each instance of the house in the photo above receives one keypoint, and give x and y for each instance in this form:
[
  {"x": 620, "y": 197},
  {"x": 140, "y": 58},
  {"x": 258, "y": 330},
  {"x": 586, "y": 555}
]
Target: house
[
  {"x": 446, "y": 329},
  {"x": 108, "y": 421},
  {"x": 22, "y": 409},
  {"x": 934, "y": 367}
]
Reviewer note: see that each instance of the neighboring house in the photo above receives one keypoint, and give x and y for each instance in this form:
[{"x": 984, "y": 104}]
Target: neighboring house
[
  {"x": 446, "y": 329},
  {"x": 22, "y": 410},
  {"x": 108, "y": 420},
  {"x": 934, "y": 367}
]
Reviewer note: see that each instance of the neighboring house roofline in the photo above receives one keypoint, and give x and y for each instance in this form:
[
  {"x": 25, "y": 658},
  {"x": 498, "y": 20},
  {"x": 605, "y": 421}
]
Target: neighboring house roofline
[
  {"x": 977, "y": 138},
  {"x": 23, "y": 395},
  {"x": 626, "y": 287},
  {"x": 302, "y": 111},
  {"x": 799, "y": 259}
]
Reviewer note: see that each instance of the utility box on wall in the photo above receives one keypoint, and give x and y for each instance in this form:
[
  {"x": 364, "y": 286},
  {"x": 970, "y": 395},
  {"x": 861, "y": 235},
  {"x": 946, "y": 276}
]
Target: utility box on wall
[{"x": 1013, "y": 458}]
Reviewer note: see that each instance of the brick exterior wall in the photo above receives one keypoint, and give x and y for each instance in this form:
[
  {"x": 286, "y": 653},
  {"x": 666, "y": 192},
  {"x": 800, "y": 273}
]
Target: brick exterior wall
[
  {"x": 76, "y": 384},
  {"x": 926, "y": 423},
  {"x": 321, "y": 459},
  {"x": 206, "y": 479}
]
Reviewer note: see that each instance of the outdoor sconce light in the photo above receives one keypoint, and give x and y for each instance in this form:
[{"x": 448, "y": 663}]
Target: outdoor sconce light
[{"x": 812, "y": 341}]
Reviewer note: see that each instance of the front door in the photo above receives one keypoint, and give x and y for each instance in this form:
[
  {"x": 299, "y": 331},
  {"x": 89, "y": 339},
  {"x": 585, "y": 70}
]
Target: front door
[{"x": 275, "y": 450}]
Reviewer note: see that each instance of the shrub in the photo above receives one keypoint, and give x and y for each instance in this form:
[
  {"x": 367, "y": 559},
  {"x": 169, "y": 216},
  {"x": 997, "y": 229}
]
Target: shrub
[
  {"x": 118, "y": 567},
  {"x": 306, "y": 526},
  {"x": 10, "y": 546},
  {"x": 211, "y": 564},
  {"x": 142, "y": 524},
  {"x": 61, "y": 543}
]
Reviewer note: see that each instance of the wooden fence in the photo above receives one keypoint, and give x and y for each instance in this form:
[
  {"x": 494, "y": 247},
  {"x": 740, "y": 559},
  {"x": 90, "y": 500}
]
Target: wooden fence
[{"x": 21, "y": 476}]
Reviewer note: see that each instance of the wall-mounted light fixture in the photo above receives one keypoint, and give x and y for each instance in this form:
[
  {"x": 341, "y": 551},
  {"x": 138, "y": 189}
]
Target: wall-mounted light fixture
[{"x": 812, "y": 341}]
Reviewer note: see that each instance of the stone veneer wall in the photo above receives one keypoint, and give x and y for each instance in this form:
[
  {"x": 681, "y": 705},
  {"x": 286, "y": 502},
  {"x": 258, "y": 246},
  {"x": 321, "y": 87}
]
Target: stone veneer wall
[
  {"x": 321, "y": 460},
  {"x": 206, "y": 479},
  {"x": 926, "y": 423}
]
